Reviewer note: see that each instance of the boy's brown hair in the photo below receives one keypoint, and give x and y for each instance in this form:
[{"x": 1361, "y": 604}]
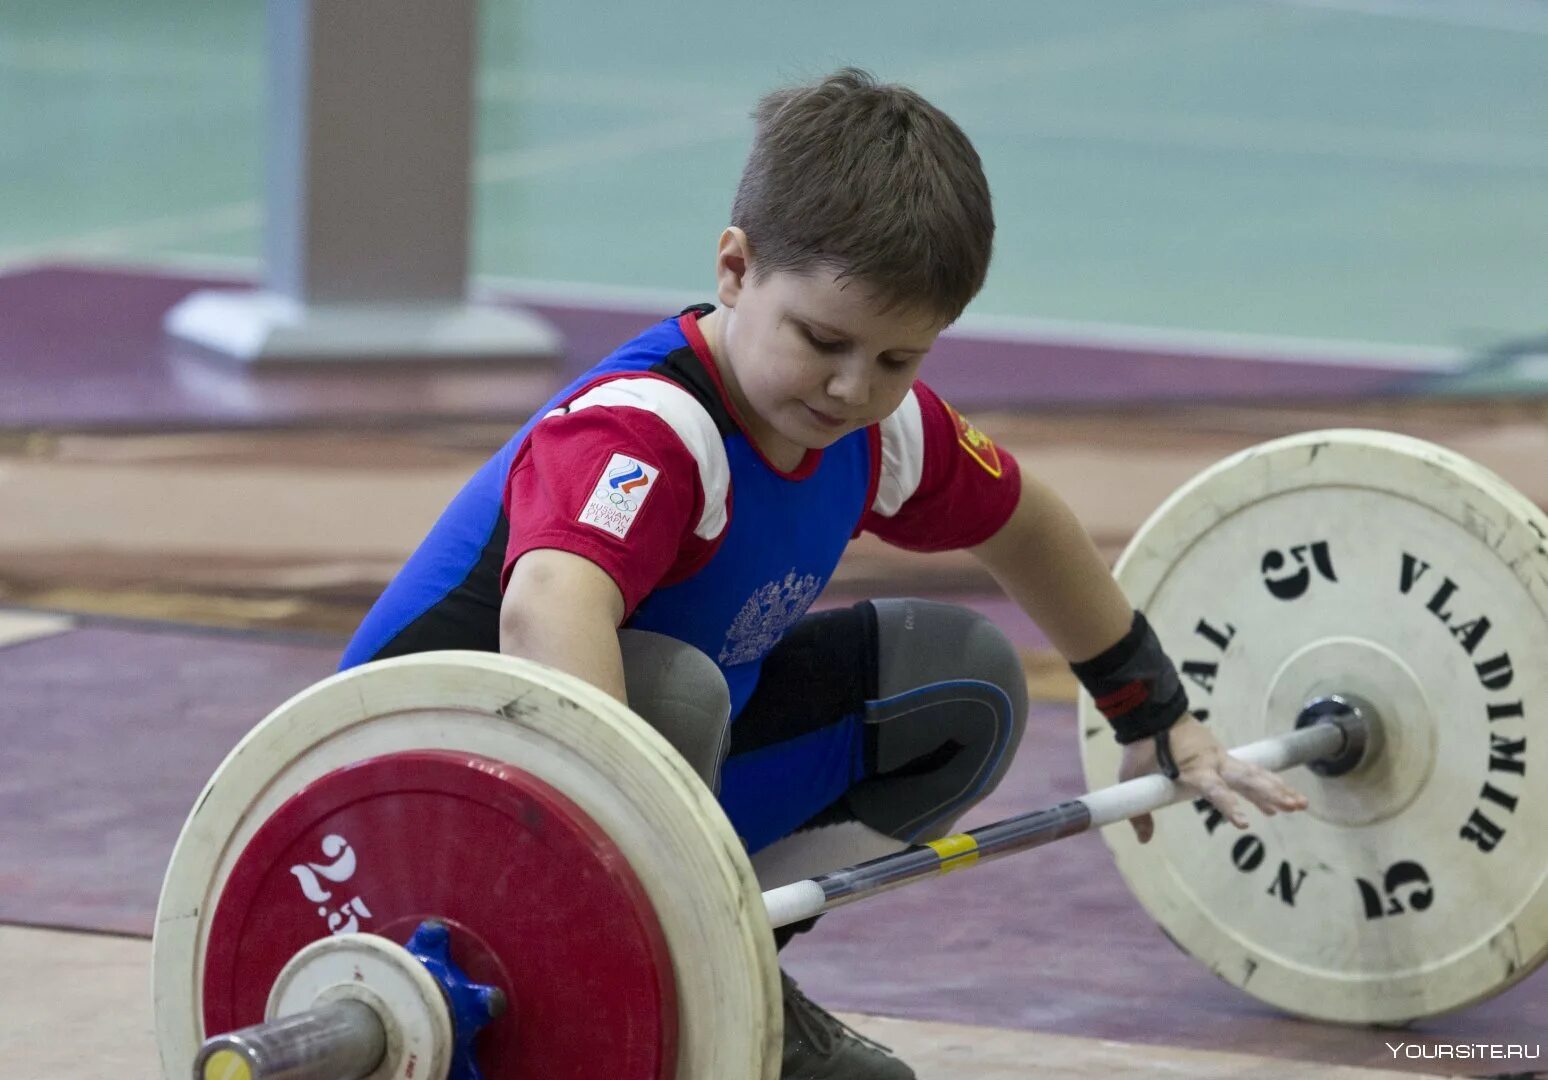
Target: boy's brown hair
[{"x": 873, "y": 182}]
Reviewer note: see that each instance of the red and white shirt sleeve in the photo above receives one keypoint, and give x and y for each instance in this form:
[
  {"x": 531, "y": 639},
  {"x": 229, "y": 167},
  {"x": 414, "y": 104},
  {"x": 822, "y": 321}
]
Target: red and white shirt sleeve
[
  {"x": 943, "y": 484},
  {"x": 631, "y": 475}
]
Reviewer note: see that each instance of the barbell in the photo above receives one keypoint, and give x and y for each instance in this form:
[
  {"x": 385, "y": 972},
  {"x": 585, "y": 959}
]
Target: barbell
[{"x": 452, "y": 861}]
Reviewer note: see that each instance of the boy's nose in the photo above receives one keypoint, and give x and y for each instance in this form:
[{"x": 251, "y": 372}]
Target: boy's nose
[{"x": 849, "y": 386}]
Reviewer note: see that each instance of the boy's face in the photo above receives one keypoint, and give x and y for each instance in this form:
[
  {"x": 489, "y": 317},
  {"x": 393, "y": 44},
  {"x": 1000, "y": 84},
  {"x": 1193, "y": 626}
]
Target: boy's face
[{"x": 813, "y": 358}]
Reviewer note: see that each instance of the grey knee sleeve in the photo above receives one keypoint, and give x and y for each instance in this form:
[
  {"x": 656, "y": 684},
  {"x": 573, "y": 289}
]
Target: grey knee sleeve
[
  {"x": 950, "y": 709},
  {"x": 682, "y": 694}
]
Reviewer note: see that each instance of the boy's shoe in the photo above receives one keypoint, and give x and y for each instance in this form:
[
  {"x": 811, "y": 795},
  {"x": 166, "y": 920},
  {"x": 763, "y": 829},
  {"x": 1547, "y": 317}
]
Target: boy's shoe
[{"x": 819, "y": 1046}]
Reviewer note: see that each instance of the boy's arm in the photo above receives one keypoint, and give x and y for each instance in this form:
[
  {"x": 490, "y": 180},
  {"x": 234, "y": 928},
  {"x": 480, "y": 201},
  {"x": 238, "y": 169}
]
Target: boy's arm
[
  {"x": 564, "y": 610},
  {"x": 605, "y": 496},
  {"x": 1046, "y": 562}
]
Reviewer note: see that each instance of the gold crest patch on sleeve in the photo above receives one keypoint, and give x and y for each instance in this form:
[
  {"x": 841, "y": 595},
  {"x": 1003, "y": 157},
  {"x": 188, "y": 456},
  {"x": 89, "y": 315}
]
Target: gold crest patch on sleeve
[{"x": 978, "y": 445}]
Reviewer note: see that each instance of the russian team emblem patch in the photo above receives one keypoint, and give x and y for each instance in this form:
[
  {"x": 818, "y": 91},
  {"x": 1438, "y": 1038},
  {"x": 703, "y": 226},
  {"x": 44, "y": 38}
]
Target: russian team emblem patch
[
  {"x": 978, "y": 445},
  {"x": 619, "y": 493}
]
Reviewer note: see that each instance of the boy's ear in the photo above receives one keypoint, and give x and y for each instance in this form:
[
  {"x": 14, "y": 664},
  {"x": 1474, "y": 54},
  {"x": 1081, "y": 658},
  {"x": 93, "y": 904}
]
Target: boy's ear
[{"x": 731, "y": 262}]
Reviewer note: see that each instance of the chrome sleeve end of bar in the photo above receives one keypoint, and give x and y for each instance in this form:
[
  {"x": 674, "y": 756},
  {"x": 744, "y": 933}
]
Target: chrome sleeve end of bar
[{"x": 343, "y": 1040}]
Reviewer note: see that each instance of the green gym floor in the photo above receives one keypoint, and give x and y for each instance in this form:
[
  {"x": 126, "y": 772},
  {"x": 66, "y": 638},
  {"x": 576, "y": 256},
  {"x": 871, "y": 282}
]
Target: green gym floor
[{"x": 1355, "y": 170}]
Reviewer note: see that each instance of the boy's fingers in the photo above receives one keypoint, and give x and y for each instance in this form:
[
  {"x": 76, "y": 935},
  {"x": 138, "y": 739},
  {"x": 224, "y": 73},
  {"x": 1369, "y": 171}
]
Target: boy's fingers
[
  {"x": 1266, "y": 790},
  {"x": 1144, "y": 827},
  {"x": 1226, "y": 786},
  {"x": 1214, "y": 788},
  {"x": 1262, "y": 786}
]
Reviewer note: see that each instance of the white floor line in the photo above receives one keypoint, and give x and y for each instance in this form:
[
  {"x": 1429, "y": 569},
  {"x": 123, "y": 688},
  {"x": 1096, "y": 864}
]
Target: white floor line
[
  {"x": 495, "y": 83},
  {"x": 72, "y": 56},
  {"x": 160, "y": 231},
  {"x": 533, "y": 85},
  {"x": 1028, "y": 330},
  {"x": 673, "y": 133},
  {"x": 1013, "y": 329},
  {"x": 1210, "y": 343},
  {"x": 1284, "y": 138},
  {"x": 983, "y": 69},
  {"x": 1177, "y": 30}
]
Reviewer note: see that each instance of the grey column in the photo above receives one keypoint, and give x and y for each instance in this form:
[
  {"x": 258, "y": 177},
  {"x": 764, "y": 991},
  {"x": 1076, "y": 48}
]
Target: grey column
[{"x": 367, "y": 194}]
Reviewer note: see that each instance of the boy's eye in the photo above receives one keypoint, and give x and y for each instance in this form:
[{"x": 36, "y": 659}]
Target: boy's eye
[{"x": 823, "y": 344}]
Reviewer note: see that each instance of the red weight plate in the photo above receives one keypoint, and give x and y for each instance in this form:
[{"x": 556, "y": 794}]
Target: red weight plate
[{"x": 539, "y": 900}]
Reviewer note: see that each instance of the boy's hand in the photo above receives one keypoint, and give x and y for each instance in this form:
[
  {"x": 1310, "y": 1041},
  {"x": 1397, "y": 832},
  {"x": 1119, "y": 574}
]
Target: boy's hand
[{"x": 1208, "y": 770}]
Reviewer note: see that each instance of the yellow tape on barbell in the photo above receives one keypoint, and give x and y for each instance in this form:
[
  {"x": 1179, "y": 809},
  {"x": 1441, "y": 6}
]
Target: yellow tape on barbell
[{"x": 956, "y": 852}]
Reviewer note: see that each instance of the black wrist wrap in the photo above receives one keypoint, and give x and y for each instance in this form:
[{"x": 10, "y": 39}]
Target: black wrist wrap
[{"x": 1134, "y": 684}]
